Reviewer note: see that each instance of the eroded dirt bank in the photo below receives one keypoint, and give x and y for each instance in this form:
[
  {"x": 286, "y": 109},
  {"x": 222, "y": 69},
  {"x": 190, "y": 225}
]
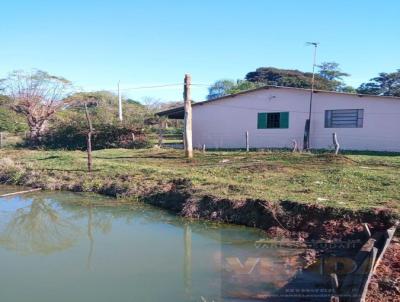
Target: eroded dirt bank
[{"x": 286, "y": 218}]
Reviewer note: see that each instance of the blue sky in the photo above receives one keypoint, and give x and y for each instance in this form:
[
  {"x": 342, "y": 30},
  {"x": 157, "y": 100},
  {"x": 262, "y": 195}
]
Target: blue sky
[{"x": 96, "y": 43}]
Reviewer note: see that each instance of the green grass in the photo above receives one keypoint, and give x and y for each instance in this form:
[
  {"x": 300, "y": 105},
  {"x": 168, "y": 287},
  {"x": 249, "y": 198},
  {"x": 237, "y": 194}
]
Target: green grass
[{"x": 356, "y": 181}]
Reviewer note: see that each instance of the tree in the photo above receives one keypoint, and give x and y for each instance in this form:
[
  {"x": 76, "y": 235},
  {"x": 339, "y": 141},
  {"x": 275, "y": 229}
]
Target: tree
[
  {"x": 86, "y": 100},
  {"x": 225, "y": 87},
  {"x": 387, "y": 84},
  {"x": 89, "y": 138},
  {"x": 242, "y": 85},
  {"x": 348, "y": 89},
  {"x": 290, "y": 78},
  {"x": 37, "y": 95},
  {"x": 133, "y": 102},
  {"x": 103, "y": 107},
  {"x": 220, "y": 88},
  {"x": 9, "y": 120},
  {"x": 331, "y": 71}
]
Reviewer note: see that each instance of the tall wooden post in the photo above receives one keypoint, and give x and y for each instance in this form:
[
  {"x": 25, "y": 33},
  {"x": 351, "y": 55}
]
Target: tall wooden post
[{"x": 188, "y": 117}]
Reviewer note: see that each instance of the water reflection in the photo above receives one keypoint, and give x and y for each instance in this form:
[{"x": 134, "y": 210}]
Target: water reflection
[
  {"x": 137, "y": 251},
  {"x": 187, "y": 262},
  {"x": 37, "y": 227}
]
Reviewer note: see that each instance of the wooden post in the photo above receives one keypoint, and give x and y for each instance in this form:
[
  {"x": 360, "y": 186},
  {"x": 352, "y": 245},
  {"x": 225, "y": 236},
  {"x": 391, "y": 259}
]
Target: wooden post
[
  {"x": 21, "y": 192},
  {"x": 133, "y": 137},
  {"x": 334, "y": 281},
  {"x": 89, "y": 139},
  {"x": 160, "y": 136},
  {"x": 188, "y": 117},
  {"x": 295, "y": 146},
  {"x": 204, "y": 148},
  {"x": 336, "y": 143},
  {"x": 367, "y": 230},
  {"x": 1, "y": 140},
  {"x": 247, "y": 142}
]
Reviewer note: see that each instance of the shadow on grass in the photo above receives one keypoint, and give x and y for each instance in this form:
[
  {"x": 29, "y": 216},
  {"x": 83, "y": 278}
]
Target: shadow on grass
[
  {"x": 71, "y": 170},
  {"x": 161, "y": 156},
  {"x": 50, "y": 157}
]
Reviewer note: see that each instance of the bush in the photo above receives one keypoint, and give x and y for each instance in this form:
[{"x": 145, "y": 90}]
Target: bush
[
  {"x": 73, "y": 137},
  {"x": 10, "y": 172}
]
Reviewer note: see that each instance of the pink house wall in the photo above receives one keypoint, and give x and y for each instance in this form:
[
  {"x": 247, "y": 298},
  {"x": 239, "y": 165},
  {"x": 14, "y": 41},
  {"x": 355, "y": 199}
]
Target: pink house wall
[{"x": 223, "y": 123}]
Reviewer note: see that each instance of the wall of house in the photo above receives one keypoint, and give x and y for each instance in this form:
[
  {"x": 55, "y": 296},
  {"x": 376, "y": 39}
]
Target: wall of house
[
  {"x": 381, "y": 125},
  {"x": 223, "y": 123}
]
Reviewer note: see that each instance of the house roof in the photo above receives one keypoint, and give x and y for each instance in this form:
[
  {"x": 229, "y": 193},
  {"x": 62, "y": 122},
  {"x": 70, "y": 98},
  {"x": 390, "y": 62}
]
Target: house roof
[{"x": 178, "y": 112}]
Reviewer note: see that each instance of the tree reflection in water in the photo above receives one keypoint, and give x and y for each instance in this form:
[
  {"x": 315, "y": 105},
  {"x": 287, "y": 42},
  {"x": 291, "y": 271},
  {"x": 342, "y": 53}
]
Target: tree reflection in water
[
  {"x": 38, "y": 229},
  {"x": 46, "y": 225}
]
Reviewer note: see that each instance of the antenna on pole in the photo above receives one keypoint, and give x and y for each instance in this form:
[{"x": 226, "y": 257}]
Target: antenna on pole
[
  {"x": 119, "y": 102},
  {"x": 307, "y": 144}
]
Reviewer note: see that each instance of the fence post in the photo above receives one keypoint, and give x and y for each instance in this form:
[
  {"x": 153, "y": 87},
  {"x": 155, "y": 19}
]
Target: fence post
[
  {"x": 160, "y": 136},
  {"x": 204, "y": 148},
  {"x": 247, "y": 142},
  {"x": 367, "y": 230},
  {"x": 295, "y": 146},
  {"x": 336, "y": 143},
  {"x": 1, "y": 140}
]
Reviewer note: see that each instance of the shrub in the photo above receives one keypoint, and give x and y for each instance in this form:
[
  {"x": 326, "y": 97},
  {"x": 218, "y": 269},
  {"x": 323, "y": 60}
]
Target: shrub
[
  {"x": 10, "y": 172},
  {"x": 73, "y": 137}
]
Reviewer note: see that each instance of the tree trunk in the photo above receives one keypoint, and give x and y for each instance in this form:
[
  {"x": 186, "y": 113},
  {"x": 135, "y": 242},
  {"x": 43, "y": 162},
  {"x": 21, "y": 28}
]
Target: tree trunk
[
  {"x": 89, "y": 151},
  {"x": 89, "y": 139},
  {"x": 36, "y": 130}
]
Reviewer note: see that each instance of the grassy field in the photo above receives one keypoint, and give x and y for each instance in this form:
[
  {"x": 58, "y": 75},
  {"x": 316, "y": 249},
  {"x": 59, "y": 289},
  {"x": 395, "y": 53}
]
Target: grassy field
[{"x": 350, "y": 181}]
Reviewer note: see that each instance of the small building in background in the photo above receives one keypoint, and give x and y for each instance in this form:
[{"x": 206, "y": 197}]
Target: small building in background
[{"x": 276, "y": 116}]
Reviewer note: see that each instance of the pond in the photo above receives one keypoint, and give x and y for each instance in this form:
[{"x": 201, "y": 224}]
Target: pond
[{"x": 58, "y": 246}]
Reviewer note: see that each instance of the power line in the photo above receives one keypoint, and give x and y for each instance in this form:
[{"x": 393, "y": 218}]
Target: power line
[
  {"x": 152, "y": 86},
  {"x": 177, "y": 85}
]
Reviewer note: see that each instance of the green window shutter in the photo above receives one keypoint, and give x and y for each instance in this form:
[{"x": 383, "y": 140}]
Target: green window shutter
[
  {"x": 262, "y": 120},
  {"x": 284, "y": 120}
]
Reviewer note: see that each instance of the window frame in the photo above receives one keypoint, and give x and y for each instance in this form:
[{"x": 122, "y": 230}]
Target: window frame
[
  {"x": 264, "y": 122},
  {"x": 350, "y": 118}
]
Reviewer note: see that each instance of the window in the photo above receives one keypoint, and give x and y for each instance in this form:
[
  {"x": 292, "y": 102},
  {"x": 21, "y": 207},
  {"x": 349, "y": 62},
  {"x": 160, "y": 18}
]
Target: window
[
  {"x": 344, "y": 118},
  {"x": 273, "y": 120}
]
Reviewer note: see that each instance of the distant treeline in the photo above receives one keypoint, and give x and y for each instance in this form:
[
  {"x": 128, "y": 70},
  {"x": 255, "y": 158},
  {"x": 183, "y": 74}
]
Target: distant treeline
[{"x": 328, "y": 77}]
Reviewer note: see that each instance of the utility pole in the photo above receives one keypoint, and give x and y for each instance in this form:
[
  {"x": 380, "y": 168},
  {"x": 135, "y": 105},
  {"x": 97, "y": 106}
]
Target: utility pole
[
  {"x": 308, "y": 123},
  {"x": 188, "y": 117},
  {"x": 119, "y": 102}
]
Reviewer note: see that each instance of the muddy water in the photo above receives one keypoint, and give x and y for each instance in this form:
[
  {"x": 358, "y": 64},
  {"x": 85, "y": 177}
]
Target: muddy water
[{"x": 70, "y": 247}]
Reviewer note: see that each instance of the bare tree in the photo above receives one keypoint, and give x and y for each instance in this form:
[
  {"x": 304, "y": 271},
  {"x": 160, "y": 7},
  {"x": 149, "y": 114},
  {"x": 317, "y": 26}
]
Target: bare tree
[
  {"x": 89, "y": 138},
  {"x": 37, "y": 95},
  {"x": 86, "y": 100}
]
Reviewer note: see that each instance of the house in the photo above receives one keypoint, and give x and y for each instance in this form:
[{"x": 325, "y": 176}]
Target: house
[{"x": 275, "y": 116}]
